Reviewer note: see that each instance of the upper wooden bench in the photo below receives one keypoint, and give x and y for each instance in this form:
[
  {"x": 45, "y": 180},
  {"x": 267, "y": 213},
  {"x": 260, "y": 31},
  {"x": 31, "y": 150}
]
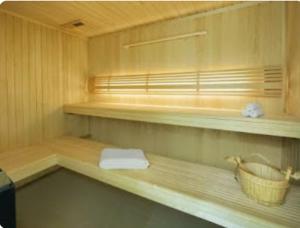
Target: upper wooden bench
[
  {"x": 283, "y": 126},
  {"x": 206, "y": 192}
]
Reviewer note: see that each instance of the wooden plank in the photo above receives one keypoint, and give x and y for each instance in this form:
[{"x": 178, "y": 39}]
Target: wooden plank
[
  {"x": 101, "y": 17},
  {"x": 10, "y": 41},
  {"x": 32, "y": 79},
  {"x": 19, "y": 73},
  {"x": 228, "y": 121},
  {"x": 206, "y": 192},
  {"x": 184, "y": 143},
  {"x": 293, "y": 57},
  {"x": 3, "y": 84},
  {"x": 24, "y": 84},
  {"x": 241, "y": 38},
  {"x": 256, "y": 82},
  {"x": 290, "y": 154}
]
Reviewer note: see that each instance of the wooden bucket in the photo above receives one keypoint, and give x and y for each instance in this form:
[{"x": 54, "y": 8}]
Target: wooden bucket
[{"x": 264, "y": 183}]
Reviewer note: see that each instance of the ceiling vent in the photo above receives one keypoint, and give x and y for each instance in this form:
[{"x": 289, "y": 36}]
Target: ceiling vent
[{"x": 73, "y": 24}]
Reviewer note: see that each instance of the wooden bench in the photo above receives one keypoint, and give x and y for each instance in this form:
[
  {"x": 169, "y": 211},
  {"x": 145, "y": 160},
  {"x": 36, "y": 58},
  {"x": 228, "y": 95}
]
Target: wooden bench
[
  {"x": 283, "y": 126},
  {"x": 205, "y": 192}
]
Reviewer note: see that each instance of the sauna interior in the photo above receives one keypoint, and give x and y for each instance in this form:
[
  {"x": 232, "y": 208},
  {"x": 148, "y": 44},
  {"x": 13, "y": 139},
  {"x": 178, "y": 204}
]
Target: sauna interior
[{"x": 186, "y": 85}]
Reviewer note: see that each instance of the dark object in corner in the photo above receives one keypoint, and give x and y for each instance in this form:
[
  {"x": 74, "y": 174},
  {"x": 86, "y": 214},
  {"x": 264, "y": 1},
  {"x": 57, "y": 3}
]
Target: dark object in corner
[{"x": 7, "y": 202}]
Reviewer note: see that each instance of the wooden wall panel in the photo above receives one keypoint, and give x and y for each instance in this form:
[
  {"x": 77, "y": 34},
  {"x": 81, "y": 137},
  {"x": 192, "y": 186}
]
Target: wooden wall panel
[
  {"x": 40, "y": 70},
  {"x": 290, "y": 153},
  {"x": 3, "y": 87},
  {"x": 293, "y": 57},
  {"x": 246, "y": 37},
  {"x": 291, "y": 147},
  {"x": 106, "y": 16},
  {"x": 203, "y": 146}
]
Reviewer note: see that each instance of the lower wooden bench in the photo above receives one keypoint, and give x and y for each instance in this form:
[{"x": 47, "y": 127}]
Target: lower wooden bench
[{"x": 205, "y": 192}]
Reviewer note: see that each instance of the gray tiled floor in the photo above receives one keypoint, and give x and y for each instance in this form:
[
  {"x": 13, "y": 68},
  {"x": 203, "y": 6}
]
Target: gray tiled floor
[{"x": 67, "y": 200}]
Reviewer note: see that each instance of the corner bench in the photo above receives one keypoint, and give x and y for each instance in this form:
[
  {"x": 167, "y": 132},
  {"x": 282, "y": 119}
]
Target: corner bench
[{"x": 203, "y": 191}]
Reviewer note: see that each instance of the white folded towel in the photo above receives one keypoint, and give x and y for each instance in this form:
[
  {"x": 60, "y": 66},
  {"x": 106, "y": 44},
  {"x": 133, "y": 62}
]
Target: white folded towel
[
  {"x": 114, "y": 158},
  {"x": 253, "y": 110}
]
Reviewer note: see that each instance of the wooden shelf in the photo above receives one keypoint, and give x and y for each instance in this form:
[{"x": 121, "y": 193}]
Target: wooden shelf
[
  {"x": 192, "y": 117},
  {"x": 205, "y": 192}
]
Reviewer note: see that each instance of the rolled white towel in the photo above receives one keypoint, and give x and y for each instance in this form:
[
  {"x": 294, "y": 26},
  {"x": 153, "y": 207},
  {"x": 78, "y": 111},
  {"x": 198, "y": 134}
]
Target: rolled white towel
[
  {"x": 114, "y": 158},
  {"x": 252, "y": 110}
]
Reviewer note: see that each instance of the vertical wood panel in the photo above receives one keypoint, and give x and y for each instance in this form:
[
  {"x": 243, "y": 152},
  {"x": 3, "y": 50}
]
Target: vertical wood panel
[
  {"x": 34, "y": 84},
  {"x": 203, "y": 146},
  {"x": 24, "y": 85},
  {"x": 10, "y": 49},
  {"x": 247, "y": 37},
  {"x": 293, "y": 57},
  {"x": 241, "y": 38},
  {"x": 33, "y": 116},
  {"x": 3, "y": 85},
  {"x": 290, "y": 153}
]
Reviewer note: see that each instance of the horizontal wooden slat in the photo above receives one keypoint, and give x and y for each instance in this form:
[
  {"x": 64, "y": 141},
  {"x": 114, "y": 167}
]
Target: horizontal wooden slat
[
  {"x": 206, "y": 192},
  {"x": 284, "y": 126},
  {"x": 263, "y": 81},
  {"x": 101, "y": 17}
]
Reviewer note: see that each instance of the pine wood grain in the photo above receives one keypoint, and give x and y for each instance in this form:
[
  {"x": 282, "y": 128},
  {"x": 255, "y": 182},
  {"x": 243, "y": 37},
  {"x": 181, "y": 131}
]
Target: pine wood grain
[
  {"x": 293, "y": 57},
  {"x": 198, "y": 145},
  {"x": 203, "y": 191},
  {"x": 230, "y": 121},
  {"x": 246, "y": 37},
  {"x": 40, "y": 70},
  {"x": 103, "y": 17},
  {"x": 263, "y": 81},
  {"x": 290, "y": 154}
]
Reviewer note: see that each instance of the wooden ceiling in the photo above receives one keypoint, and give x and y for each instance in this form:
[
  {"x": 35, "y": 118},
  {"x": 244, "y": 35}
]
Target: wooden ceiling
[{"x": 104, "y": 17}]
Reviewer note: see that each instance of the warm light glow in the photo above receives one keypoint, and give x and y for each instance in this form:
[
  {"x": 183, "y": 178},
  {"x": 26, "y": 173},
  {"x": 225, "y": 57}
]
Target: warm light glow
[{"x": 264, "y": 81}]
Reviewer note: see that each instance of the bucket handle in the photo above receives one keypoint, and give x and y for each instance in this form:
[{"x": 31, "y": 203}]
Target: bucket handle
[
  {"x": 288, "y": 174},
  {"x": 261, "y": 157},
  {"x": 296, "y": 175},
  {"x": 234, "y": 159},
  {"x": 237, "y": 161}
]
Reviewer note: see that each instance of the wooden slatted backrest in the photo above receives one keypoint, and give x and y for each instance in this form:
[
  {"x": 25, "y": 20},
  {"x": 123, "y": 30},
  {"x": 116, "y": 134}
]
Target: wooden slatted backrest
[{"x": 263, "y": 81}]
